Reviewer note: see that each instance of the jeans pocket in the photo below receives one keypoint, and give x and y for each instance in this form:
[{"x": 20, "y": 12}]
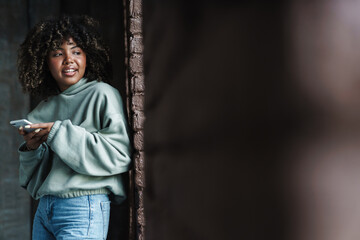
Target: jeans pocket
[{"x": 105, "y": 209}]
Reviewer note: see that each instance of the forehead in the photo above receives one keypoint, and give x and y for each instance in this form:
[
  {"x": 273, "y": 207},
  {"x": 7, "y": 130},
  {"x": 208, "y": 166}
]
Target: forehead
[
  {"x": 68, "y": 41},
  {"x": 62, "y": 42}
]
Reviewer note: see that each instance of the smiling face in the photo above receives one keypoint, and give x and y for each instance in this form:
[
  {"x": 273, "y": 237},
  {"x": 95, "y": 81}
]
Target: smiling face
[{"x": 67, "y": 64}]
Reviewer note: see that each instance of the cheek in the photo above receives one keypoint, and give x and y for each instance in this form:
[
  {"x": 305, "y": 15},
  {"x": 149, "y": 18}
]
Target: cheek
[
  {"x": 53, "y": 65},
  {"x": 83, "y": 63}
]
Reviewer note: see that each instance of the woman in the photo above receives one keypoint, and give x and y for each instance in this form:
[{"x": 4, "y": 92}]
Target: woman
[{"x": 74, "y": 159}]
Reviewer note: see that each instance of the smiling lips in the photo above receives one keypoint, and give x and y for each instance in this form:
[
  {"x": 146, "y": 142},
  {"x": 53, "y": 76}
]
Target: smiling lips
[{"x": 69, "y": 72}]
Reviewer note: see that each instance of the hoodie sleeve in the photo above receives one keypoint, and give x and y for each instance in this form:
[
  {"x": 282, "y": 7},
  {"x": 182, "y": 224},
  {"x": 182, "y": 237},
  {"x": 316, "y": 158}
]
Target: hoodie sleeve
[
  {"x": 32, "y": 164},
  {"x": 104, "y": 152}
]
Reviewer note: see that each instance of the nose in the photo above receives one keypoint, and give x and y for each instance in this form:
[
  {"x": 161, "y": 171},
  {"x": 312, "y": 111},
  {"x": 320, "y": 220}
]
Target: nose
[{"x": 68, "y": 59}]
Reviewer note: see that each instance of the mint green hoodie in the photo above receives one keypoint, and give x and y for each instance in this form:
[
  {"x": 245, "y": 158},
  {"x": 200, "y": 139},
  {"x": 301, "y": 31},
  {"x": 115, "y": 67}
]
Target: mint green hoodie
[{"x": 87, "y": 148}]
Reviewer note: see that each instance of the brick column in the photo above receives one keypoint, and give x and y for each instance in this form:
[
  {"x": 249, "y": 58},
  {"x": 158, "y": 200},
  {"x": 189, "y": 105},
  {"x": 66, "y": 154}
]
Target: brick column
[{"x": 135, "y": 103}]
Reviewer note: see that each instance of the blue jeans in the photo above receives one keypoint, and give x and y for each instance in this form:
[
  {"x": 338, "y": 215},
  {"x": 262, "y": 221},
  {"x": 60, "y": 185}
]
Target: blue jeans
[{"x": 85, "y": 217}]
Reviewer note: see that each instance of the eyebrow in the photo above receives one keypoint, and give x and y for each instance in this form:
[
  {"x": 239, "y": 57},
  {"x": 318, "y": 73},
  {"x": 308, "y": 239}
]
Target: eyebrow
[{"x": 63, "y": 49}]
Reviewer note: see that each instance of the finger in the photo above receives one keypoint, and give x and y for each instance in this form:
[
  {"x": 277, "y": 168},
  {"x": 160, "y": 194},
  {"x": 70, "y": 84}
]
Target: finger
[
  {"x": 34, "y": 142},
  {"x": 37, "y": 130},
  {"x": 44, "y": 138},
  {"x": 31, "y": 135},
  {"x": 30, "y": 128},
  {"x": 38, "y": 125},
  {"x": 32, "y": 146},
  {"x": 47, "y": 126},
  {"x": 41, "y": 134},
  {"x": 21, "y": 131}
]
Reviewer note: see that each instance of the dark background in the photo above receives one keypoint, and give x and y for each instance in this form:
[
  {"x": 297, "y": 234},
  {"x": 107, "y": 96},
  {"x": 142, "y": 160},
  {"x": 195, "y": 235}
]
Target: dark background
[{"x": 252, "y": 119}]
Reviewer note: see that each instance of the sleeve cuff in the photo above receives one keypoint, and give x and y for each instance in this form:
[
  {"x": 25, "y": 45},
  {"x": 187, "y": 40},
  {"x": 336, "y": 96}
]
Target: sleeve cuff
[
  {"x": 53, "y": 130},
  {"x": 29, "y": 154}
]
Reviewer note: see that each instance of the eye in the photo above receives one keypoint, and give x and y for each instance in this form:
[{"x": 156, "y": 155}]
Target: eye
[
  {"x": 56, "y": 54},
  {"x": 77, "y": 52}
]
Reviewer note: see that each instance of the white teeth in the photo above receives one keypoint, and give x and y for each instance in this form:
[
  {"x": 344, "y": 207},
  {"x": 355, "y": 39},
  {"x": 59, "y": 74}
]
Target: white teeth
[{"x": 69, "y": 70}]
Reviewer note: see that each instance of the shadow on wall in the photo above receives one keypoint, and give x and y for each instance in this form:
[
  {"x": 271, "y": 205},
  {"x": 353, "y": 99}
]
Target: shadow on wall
[{"x": 252, "y": 119}]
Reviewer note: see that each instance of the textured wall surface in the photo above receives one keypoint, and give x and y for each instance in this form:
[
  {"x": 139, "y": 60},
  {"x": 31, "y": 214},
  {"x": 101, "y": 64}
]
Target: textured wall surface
[
  {"x": 136, "y": 88},
  {"x": 14, "y": 201}
]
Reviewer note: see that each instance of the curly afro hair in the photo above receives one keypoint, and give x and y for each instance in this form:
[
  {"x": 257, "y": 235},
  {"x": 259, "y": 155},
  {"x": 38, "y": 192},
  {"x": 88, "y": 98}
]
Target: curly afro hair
[{"x": 48, "y": 35}]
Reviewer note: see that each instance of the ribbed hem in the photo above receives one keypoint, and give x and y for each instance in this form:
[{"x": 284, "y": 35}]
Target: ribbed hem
[
  {"x": 77, "y": 193},
  {"x": 53, "y": 130}
]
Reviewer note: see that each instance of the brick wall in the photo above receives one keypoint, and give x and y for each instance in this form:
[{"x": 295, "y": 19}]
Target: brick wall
[{"x": 135, "y": 96}]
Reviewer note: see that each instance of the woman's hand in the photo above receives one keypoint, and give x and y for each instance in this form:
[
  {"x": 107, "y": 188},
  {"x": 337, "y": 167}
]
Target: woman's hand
[{"x": 35, "y": 138}]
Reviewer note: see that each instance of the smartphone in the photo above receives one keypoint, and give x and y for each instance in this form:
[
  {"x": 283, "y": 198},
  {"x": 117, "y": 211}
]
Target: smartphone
[{"x": 22, "y": 123}]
